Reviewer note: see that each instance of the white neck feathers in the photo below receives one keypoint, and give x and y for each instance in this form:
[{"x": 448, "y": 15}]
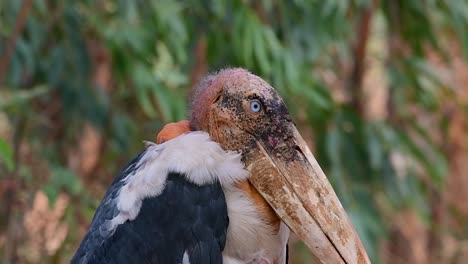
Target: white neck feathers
[{"x": 194, "y": 155}]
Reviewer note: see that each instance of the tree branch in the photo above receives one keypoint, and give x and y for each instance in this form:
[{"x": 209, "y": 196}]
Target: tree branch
[{"x": 359, "y": 54}]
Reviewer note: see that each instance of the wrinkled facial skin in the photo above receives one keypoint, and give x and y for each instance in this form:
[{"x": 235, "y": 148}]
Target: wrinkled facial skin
[{"x": 270, "y": 125}]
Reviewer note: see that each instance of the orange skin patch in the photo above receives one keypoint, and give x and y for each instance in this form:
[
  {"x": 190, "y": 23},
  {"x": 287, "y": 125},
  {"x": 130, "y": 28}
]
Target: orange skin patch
[
  {"x": 173, "y": 130},
  {"x": 266, "y": 212}
]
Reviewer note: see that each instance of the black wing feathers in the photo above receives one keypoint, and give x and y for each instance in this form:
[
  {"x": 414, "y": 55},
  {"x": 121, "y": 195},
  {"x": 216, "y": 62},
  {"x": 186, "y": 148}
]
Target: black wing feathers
[{"x": 185, "y": 217}]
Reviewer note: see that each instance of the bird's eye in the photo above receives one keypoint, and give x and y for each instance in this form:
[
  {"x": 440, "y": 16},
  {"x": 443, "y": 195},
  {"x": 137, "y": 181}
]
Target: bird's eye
[{"x": 255, "y": 106}]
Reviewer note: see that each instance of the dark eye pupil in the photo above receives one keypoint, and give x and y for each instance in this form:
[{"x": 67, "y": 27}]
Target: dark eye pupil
[{"x": 255, "y": 106}]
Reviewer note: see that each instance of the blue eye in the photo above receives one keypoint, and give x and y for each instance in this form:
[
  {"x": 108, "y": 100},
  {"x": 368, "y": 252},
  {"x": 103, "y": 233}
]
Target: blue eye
[{"x": 255, "y": 106}]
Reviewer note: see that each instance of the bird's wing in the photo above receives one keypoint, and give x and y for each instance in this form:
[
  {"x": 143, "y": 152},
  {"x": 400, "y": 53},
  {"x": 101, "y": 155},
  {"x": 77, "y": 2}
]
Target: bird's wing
[{"x": 159, "y": 210}]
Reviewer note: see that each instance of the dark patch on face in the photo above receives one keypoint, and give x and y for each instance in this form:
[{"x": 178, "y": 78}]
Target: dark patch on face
[
  {"x": 271, "y": 125},
  {"x": 221, "y": 106}
]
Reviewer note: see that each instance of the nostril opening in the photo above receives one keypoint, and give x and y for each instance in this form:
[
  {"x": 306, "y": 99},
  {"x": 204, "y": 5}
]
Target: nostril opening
[{"x": 299, "y": 151}]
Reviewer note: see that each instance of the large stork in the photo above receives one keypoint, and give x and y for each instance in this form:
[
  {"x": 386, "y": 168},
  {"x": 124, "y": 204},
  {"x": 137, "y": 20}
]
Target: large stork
[{"x": 227, "y": 191}]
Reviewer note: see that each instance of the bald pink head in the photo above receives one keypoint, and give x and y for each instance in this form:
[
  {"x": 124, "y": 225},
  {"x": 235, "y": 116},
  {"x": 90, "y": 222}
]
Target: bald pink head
[{"x": 209, "y": 90}]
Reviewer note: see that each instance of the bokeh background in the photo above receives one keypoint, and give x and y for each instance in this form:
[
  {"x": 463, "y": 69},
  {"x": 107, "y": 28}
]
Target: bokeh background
[{"x": 379, "y": 88}]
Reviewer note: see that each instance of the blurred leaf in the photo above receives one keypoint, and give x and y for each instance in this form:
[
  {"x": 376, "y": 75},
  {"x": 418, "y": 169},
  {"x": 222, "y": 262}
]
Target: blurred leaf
[
  {"x": 62, "y": 179},
  {"x": 19, "y": 97},
  {"x": 6, "y": 155}
]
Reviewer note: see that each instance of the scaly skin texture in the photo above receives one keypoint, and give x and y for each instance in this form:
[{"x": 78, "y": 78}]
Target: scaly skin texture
[{"x": 221, "y": 107}]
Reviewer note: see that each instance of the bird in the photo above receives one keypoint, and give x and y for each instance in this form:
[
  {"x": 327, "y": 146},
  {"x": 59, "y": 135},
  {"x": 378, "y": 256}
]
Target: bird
[{"x": 228, "y": 185}]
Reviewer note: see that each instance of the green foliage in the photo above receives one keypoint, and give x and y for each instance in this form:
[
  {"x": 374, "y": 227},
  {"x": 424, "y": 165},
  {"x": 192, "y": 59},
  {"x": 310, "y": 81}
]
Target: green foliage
[
  {"x": 62, "y": 180},
  {"x": 6, "y": 155},
  {"x": 289, "y": 43}
]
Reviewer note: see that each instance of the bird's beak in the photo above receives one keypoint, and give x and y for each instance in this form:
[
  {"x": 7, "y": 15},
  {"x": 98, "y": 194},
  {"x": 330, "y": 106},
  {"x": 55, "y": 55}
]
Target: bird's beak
[{"x": 298, "y": 190}]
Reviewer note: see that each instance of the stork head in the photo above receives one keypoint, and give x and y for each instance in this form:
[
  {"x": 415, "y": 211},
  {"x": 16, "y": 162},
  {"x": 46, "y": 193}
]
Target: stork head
[{"x": 244, "y": 113}]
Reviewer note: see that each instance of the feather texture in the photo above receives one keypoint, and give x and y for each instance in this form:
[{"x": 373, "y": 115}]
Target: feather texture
[{"x": 166, "y": 203}]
